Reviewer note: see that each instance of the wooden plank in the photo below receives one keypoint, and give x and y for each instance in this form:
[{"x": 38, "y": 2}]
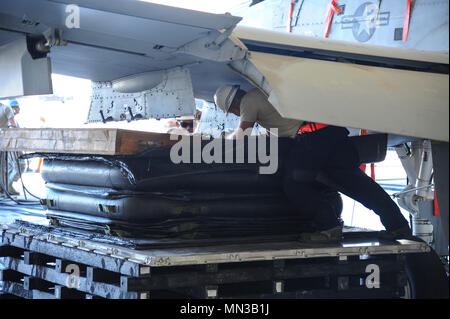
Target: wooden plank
[
  {"x": 89, "y": 258},
  {"x": 42, "y": 295},
  {"x": 37, "y": 275},
  {"x": 129, "y": 142},
  {"x": 16, "y": 289},
  {"x": 99, "y": 141}
]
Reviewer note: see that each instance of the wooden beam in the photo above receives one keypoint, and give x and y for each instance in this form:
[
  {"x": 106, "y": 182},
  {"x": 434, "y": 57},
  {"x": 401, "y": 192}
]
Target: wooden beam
[
  {"x": 100, "y": 141},
  {"x": 129, "y": 142}
]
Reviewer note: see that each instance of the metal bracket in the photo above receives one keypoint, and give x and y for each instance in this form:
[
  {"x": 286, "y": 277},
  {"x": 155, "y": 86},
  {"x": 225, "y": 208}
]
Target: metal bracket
[
  {"x": 22, "y": 73},
  {"x": 220, "y": 47},
  {"x": 54, "y": 37}
]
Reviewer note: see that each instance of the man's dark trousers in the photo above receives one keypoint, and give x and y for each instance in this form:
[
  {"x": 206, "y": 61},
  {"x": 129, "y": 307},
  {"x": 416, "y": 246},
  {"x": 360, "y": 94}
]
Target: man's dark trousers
[{"x": 330, "y": 152}]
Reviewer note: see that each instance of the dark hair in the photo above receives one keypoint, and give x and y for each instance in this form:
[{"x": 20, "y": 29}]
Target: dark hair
[
  {"x": 188, "y": 125},
  {"x": 185, "y": 124}
]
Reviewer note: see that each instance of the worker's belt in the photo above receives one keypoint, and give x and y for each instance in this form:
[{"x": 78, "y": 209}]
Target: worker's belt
[{"x": 311, "y": 127}]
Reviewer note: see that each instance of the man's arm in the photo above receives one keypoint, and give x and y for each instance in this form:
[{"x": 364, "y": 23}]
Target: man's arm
[
  {"x": 248, "y": 113},
  {"x": 12, "y": 122},
  {"x": 243, "y": 125}
]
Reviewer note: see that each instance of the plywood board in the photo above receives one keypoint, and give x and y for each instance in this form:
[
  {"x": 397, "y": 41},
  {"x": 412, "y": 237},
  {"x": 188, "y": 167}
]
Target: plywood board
[{"x": 102, "y": 141}]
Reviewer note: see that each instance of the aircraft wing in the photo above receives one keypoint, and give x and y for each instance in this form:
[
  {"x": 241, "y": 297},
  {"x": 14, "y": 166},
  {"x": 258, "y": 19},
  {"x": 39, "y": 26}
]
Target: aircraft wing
[
  {"x": 394, "y": 90},
  {"x": 114, "y": 39},
  {"x": 154, "y": 59}
]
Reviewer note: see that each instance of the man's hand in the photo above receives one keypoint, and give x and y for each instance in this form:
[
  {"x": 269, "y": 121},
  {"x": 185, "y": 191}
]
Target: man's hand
[{"x": 240, "y": 132}]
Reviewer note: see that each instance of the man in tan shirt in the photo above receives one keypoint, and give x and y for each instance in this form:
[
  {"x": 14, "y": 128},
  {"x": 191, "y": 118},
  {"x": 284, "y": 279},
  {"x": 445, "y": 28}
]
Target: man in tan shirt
[
  {"x": 317, "y": 150},
  {"x": 6, "y": 116},
  {"x": 253, "y": 107},
  {"x": 7, "y": 113}
]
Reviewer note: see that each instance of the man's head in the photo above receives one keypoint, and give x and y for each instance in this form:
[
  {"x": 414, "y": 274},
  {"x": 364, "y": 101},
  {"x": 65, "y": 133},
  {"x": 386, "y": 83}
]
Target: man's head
[
  {"x": 188, "y": 125},
  {"x": 15, "y": 106},
  {"x": 228, "y": 98}
]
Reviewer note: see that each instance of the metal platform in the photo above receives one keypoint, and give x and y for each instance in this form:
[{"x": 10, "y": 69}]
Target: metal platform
[
  {"x": 41, "y": 265},
  {"x": 238, "y": 252}
]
